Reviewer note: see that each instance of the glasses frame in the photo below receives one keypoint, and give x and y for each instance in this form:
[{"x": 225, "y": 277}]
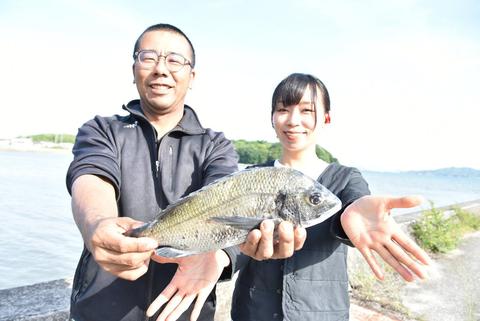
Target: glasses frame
[{"x": 169, "y": 67}]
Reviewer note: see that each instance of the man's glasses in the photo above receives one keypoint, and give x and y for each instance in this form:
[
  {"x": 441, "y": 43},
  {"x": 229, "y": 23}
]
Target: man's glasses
[{"x": 148, "y": 59}]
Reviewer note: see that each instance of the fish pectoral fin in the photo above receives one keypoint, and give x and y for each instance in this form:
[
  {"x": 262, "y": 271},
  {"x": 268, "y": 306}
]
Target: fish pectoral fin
[
  {"x": 239, "y": 222},
  {"x": 173, "y": 252}
]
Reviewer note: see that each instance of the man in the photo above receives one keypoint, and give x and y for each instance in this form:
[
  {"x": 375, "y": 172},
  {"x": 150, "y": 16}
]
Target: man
[{"x": 125, "y": 170}]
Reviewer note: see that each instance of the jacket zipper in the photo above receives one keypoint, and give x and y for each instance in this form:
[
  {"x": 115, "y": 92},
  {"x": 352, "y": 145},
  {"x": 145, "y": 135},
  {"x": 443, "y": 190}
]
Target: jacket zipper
[
  {"x": 157, "y": 154},
  {"x": 170, "y": 154},
  {"x": 151, "y": 266}
]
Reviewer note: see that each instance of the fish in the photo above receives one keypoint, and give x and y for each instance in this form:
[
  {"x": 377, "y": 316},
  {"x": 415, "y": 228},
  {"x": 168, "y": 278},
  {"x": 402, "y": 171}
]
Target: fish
[{"x": 221, "y": 214}]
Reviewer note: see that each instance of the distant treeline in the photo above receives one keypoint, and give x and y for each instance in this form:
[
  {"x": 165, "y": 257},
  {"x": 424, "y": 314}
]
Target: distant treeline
[
  {"x": 250, "y": 152},
  {"x": 259, "y": 151},
  {"x": 53, "y": 138}
]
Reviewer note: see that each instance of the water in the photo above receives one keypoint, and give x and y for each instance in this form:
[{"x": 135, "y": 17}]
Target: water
[
  {"x": 438, "y": 189},
  {"x": 40, "y": 242}
]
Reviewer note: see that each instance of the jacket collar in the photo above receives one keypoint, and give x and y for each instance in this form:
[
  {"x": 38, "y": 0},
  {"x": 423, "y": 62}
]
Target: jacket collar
[{"x": 189, "y": 124}]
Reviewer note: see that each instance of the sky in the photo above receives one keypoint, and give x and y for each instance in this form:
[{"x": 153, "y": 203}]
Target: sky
[{"x": 403, "y": 75}]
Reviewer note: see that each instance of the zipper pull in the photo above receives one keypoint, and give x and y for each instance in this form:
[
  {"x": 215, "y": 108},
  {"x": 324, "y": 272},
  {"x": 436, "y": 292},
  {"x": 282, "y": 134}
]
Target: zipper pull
[{"x": 157, "y": 165}]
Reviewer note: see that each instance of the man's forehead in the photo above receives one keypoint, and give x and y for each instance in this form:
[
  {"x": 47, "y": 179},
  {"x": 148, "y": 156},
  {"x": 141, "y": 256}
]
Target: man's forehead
[{"x": 164, "y": 37}]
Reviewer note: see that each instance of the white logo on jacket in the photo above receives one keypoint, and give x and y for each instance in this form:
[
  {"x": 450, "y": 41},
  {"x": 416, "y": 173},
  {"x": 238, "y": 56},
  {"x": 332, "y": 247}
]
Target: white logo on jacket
[{"x": 131, "y": 125}]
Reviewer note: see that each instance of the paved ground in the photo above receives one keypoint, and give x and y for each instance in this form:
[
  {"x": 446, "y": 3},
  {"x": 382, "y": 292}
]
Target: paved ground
[
  {"x": 359, "y": 313},
  {"x": 452, "y": 291}
]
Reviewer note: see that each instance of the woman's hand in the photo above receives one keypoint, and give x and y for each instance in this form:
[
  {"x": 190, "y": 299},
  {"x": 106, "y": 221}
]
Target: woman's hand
[
  {"x": 195, "y": 278},
  {"x": 369, "y": 226},
  {"x": 262, "y": 245}
]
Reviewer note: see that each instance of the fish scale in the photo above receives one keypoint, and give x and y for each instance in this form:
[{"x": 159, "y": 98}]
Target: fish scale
[{"x": 221, "y": 214}]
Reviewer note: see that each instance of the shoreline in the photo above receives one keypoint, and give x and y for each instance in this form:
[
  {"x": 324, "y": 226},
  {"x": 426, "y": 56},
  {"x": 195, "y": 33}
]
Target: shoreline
[{"x": 39, "y": 149}]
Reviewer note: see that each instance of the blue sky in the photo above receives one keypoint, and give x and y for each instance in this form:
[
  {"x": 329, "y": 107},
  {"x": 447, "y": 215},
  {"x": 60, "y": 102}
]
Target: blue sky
[{"x": 403, "y": 74}]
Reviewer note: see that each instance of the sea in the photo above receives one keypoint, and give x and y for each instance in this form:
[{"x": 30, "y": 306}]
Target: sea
[{"x": 39, "y": 240}]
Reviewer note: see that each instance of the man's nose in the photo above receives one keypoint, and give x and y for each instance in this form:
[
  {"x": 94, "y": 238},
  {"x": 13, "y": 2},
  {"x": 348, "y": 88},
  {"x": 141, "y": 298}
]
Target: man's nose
[{"x": 161, "y": 66}]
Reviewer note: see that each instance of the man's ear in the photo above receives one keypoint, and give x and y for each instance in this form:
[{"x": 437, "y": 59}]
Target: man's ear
[
  {"x": 192, "y": 78},
  {"x": 133, "y": 71}
]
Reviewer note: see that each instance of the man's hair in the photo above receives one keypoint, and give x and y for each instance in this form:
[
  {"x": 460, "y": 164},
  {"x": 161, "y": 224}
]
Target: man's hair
[
  {"x": 165, "y": 27},
  {"x": 291, "y": 89}
]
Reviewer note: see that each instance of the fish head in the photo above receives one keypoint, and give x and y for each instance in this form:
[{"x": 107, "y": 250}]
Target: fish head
[{"x": 306, "y": 202}]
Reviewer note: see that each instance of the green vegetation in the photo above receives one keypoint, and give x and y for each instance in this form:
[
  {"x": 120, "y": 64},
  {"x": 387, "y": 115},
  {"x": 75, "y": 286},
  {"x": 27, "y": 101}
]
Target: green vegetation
[
  {"x": 440, "y": 234},
  {"x": 367, "y": 288},
  {"x": 259, "y": 151},
  {"x": 53, "y": 138}
]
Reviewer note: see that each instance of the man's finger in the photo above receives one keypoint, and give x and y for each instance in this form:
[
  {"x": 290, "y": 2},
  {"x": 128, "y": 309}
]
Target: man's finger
[
  {"x": 133, "y": 244},
  {"x": 182, "y": 307},
  {"x": 126, "y": 260},
  {"x": 127, "y": 274},
  {"x": 171, "y": 305},
  {"x": 166, "y": 294},
  {"x": 201, "y": 298}
]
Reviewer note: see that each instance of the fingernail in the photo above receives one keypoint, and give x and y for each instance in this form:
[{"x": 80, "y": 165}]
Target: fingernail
[{"x": 266, "y": 226}]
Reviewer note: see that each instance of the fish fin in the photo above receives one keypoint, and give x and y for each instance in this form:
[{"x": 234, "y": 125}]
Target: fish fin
[
  {"x": 137, "y": 232},
  {"x": 173, "y": 252},
  {"x": 241, "y": 222}
]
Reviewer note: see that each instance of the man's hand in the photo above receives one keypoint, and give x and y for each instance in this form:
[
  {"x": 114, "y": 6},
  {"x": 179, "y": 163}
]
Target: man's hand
[
  {"x": 195, "y": 278},
  {"x": 369, "y": 226},
  {"x": 95, "y": 211},
  {"x": 125, "y": 257},
  {"x": 261, "y": 244}
]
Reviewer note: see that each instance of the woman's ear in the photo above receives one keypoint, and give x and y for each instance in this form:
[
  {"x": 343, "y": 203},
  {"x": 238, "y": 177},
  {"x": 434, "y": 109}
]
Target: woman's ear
[{"x": 327, "y": 118}]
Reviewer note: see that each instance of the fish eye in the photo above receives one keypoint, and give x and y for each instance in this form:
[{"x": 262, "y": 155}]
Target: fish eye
[{"x": 315, "y": 198}]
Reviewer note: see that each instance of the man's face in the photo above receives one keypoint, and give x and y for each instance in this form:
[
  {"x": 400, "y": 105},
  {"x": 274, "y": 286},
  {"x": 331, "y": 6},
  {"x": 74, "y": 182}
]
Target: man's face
[{"x": 161, "y": 91}]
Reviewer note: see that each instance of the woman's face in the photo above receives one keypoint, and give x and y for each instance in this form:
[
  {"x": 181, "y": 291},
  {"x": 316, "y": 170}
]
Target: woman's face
[{"x": 295, "y": 124}]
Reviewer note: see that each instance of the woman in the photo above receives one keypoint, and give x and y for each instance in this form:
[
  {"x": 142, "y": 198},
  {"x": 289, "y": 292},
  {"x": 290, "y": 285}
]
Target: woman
[{"x": 312, "y": 283}]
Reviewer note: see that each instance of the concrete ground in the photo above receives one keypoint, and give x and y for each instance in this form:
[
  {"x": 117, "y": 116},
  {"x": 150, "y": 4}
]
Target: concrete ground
[{"x": 452, "y": 291}]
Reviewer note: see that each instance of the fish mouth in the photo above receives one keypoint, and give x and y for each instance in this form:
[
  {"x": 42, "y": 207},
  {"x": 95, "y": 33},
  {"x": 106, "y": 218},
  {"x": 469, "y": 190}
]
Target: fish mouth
[{"x": 326, "y": 215}]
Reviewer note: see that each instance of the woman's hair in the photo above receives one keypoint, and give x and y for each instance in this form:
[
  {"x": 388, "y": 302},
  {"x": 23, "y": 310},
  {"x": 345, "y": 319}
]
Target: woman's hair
[
  {"x": 169, "y": 28},
  {"x": 291, "y": 89}
]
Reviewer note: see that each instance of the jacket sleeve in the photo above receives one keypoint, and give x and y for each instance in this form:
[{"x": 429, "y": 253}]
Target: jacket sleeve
[
  {"x": 356, "y": 187},
  {"x": 221, "y": 159},
  {"x": 95, "y": 153}
]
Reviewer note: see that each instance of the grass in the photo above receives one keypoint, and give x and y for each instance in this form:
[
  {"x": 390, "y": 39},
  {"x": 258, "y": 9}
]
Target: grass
[
  {"x": 439, "y": 234},
  {"x": 435, "y": 232},
  {"x": 366, "y": 288}
]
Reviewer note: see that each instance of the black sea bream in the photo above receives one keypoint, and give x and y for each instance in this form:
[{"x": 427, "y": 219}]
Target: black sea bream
[{"x": 222, "y": 213}]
